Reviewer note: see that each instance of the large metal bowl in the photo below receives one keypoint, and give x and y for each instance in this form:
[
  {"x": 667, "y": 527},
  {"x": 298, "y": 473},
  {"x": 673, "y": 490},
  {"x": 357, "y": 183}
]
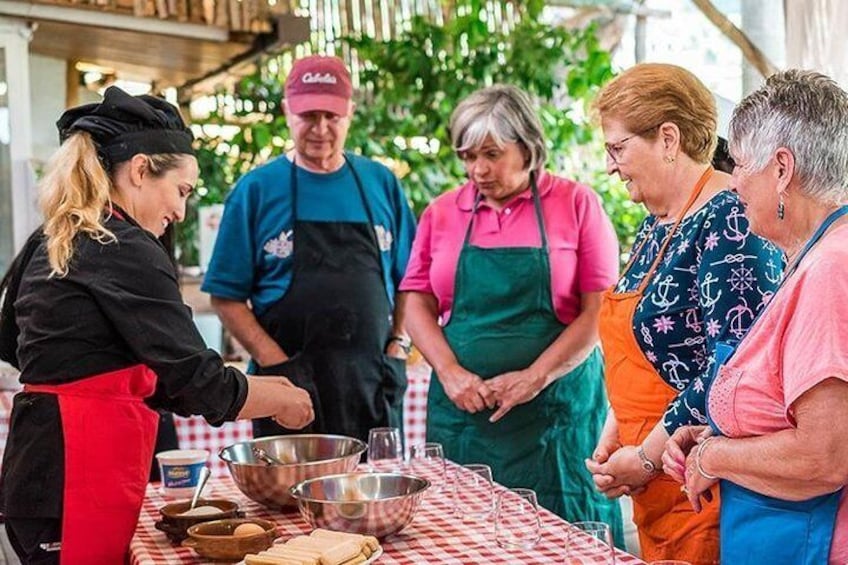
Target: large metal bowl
[
  {"x": 304, "y": 456},
  {"x": 376, "y": 504}
]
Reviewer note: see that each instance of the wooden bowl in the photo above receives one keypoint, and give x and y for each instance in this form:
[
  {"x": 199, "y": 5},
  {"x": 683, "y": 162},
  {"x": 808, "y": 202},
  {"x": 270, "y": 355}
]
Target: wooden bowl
[
  {"x": 215, "y": 540},
  {"x": 174, "y": 525}
]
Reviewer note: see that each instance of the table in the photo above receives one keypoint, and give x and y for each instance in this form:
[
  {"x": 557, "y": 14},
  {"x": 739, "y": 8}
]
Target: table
[{"x": 434, "y": 536}]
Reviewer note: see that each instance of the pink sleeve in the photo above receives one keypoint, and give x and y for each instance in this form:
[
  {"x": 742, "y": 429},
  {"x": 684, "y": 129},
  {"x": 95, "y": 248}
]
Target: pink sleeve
[
  {"x": 417, "y": 277},
  {"x": 597, "y": 259},
  {"x": 814, "y": 343}
]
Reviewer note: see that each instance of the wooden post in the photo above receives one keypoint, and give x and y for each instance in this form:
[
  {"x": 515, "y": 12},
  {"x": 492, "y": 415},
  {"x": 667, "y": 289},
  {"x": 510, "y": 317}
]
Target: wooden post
[
  {"x": 235, "y": 15},
  {"x": 221, "y": 13},
  {"x": 72, "y": 81},
  {"x": 182, "y": 10},
  {"x": 162, "y": 8}
]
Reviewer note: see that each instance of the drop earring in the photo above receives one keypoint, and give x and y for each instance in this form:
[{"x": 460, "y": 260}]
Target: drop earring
[
  {"x": 781, "y": 208},
  {"x": 668, "y": 159}
]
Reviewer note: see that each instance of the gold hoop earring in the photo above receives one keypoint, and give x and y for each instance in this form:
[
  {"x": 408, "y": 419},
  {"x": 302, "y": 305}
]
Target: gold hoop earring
[{"x": 668, "y": 159}]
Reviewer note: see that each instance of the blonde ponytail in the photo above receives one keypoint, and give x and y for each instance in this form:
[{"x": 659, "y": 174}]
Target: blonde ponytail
[{"x": 73, "y": 195}]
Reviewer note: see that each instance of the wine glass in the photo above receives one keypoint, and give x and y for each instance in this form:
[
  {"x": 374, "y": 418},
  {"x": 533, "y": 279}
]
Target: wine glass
[
  {"x": 385, "y": 450},
  {"x": 517, "y": 523},
  {"x": 473, "y": 491},
  {"x": 428, "y": 461},
  {"x": 591, "y": 539}
]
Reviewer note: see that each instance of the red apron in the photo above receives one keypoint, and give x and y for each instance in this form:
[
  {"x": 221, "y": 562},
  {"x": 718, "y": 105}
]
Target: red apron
[
  {"x": 668, "y": 527},
  {"x": 109, "y": 436}
]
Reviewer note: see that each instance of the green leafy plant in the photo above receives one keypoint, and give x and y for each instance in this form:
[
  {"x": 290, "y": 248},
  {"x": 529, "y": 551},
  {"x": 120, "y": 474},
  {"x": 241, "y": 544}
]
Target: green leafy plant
[
  {"x": 410, "y": 84},
  {"x": 413, "y": 83}
]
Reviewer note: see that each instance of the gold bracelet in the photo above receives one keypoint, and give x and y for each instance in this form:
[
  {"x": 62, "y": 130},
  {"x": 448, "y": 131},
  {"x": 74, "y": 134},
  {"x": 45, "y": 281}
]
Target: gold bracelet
[{"x": 701, "y": 447}]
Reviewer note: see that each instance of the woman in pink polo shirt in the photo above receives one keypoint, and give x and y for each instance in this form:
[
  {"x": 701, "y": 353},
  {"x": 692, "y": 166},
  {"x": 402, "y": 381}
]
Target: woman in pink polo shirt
[
  {"x": 504, "y": 285},
  {"x": 778, "y": 406}
]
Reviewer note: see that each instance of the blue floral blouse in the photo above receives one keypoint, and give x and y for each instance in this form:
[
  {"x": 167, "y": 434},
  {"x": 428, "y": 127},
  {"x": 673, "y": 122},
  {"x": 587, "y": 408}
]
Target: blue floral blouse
[{"x": 714, "y": 278}]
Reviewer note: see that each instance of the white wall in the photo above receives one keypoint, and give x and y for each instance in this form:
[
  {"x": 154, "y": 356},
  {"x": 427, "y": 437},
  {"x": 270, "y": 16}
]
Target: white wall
[
  {"x": 17, "y": 181},
  {"x": 47, "y": 87}
]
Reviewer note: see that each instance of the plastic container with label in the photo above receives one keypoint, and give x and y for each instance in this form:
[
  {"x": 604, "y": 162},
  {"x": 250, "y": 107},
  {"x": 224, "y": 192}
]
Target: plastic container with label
[{"x": 180, "y": 470}]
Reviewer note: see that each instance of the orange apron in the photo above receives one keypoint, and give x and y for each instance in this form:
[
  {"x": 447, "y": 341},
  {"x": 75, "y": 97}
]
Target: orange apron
[
  {"x": 109, "y": 435},
  {"x": 668, "y": 527}
]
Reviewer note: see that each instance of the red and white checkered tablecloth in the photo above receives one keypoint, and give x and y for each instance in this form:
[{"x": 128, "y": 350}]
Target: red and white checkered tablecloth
[
  {"x": 415, "y": 404},
  {"x": 434, "y": 536},
  {"x": 196, "y": 433}
]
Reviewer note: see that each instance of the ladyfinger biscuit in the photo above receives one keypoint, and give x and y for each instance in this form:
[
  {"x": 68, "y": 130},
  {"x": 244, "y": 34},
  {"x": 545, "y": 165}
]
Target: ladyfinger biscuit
[
  {"x": 340, "y": 553},
  {"x": 333, "y": 551},
  {"x": 301, "y": 547},
  {"x": 356, "y": 560},
  {"x": 331, "y": 539},
  {"x": 370, "y": 541},
  {"x": 265, "y": 559},
  {"x": 289, "y": 552},
  {"x": 315, "y": 544}
]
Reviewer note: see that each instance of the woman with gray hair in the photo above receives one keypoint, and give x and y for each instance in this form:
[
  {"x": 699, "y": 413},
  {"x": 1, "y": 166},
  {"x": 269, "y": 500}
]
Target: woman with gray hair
[
  {"x": 504, "y": 286},
  {"x": 778, "y": 405}
]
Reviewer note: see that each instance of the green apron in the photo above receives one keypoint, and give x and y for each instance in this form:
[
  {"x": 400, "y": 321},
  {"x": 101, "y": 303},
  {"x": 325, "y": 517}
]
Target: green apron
[{"x": 502, "y": 320}]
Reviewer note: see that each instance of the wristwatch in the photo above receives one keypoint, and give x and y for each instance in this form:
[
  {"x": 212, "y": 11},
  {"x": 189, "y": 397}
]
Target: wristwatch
[
  {"x": 647, "y": 464},
  {"x": 403, "y": 341}
]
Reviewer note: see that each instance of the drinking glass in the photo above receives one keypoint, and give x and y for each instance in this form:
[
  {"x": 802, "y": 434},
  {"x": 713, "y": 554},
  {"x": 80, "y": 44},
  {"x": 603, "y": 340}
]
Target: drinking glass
[
  {"x": 473, "y": 492},
  {"x": 590, "y": 539},
  {"x": 517, "y": 523},
  {"x": 385, "y": 450},
  {"x": 428, "y": 461}
]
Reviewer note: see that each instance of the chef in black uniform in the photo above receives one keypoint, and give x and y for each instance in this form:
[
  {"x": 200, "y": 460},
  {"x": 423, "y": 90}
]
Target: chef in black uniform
[
  {"x": 93, "y": 317},
  {"x": 309, "y": 253}
]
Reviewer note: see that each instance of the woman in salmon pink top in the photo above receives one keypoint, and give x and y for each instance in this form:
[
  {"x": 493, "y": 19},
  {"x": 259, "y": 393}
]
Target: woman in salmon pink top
[
  {"x": 778, "y": 405},
  {"x": 503, "y": 289}
]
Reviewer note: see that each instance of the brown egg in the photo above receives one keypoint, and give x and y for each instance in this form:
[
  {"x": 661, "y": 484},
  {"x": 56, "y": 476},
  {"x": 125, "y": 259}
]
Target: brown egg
[{"x": 248, "y": 529}]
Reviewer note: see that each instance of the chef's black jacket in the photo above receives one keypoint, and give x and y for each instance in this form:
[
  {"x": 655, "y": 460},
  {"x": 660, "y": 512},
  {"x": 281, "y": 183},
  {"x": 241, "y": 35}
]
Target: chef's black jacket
[{"x": 118, "y": 306}]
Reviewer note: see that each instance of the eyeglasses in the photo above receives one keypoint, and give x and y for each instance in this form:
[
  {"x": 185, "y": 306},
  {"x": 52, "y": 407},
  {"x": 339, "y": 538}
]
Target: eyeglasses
[{"x": 616, "y": 150}]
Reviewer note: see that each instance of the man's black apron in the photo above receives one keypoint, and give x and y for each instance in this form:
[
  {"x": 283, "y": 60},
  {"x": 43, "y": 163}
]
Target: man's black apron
[{"x": 334, "y": 322}]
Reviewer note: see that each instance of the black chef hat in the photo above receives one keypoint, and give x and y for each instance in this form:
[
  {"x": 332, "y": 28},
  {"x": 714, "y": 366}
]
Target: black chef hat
[{"x": 122, "y": 125}]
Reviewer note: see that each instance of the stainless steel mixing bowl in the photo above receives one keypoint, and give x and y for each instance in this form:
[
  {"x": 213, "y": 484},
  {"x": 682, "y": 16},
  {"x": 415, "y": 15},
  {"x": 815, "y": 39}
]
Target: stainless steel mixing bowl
[
  {"x": 303, "y": 456},
  {"x": 377, "y": 504}
]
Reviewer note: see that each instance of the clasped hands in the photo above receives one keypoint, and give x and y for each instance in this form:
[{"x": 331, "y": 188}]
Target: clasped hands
[
  {"x": 617, "y": 470},
  {"x": 501, "y": 393},
  {"x": 680, "y": 462}
]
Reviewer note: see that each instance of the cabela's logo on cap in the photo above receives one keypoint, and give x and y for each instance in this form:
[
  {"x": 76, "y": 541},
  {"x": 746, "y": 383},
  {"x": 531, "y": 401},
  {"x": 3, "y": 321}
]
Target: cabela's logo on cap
[{"x": 324, "y": 78}]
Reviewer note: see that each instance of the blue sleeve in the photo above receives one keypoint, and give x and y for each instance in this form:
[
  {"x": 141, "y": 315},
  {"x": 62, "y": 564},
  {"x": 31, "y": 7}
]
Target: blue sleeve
[
  {"x": 231, "y": 268},
  {"x": 405, "y": 230},
  {"x": 736, "y": 273}
]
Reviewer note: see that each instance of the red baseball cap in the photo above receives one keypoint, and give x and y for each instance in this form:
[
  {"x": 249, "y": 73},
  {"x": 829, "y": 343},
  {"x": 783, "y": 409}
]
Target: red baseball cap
[{"x": 318, "y": 82}]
